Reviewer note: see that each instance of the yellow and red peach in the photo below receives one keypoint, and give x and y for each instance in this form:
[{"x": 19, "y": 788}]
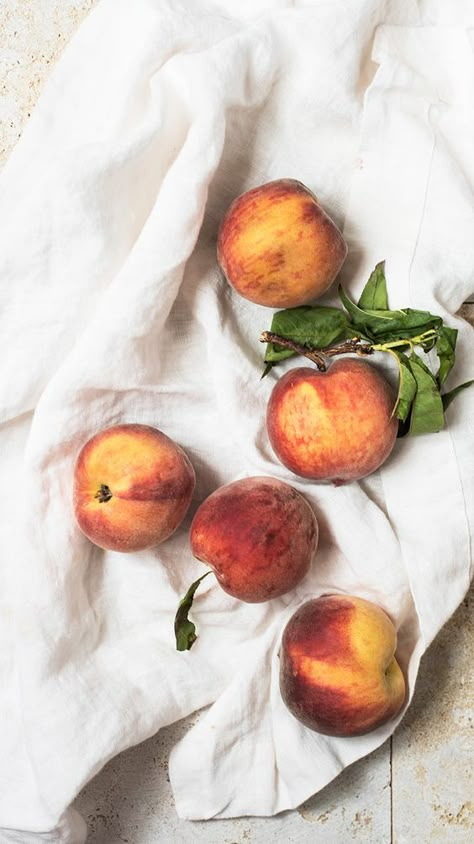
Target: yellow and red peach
[
  {"x": 336, "y": 425},
  {"x": 338, "y": 672},
  {"x": 258, "y": 535},
  {"x": 277, "y": 246},
  {"x": 132, "y": 487}
]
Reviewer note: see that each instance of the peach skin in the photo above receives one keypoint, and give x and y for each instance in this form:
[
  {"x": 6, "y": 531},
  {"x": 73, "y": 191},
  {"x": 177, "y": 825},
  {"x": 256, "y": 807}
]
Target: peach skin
[
  {"x": 338, "y": 672},
  {"x": 258, "y": 535},
  {"x": 277, "y": 246},
  {"x": 335, "y": 425},
  {"x": 132, "y": 487}
]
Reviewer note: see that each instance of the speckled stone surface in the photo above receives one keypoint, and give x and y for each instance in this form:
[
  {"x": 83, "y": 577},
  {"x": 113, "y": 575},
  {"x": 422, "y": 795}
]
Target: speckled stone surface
[
  {"x": 131, "y": 801},
  {"x": 433, "y": 749},
  {"x": 415, "y": 788}
]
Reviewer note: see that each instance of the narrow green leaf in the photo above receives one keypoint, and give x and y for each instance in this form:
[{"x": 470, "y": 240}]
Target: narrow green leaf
[
  {"x": 427, "y": 414},
  {"x": 445, "y": 348},
  {"x": 268, "y": 368},
  {"x": 185, "y": 630},
  {"x": 407, "y": 388},
  {"x": 359, "y": 318},
  {"x": 374, "y": 294},
  {"x": 387, "y": 325},
  {"x": 312, "y": 326},
  {"x": 274, "y": 354},
  {"x": 407, "y": 322},
  {"x": 448, "y": 397},
  {"x": 384, "y": 325}
]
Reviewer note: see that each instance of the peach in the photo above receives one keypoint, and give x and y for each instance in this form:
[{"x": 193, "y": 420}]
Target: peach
[
  {"x": 335, "y": 425},
  {"x": 258, "y": 535},
  {"x": 338, "y": 672},
  {"x": 132, "y": 487},
  {"x": 278, "y": 247}
]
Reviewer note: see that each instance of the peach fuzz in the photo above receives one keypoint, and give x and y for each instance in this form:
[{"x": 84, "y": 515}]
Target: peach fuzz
[
  {"x": 132, "y": 487},
  {"x": 277, "y": 246},
  {"x": 335, "y": 425},
  {"x": 258, "y": 535},
  {"x": 338, "y": 672}
]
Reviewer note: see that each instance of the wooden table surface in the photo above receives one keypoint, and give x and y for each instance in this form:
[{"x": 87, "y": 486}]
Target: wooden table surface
[{"x": 417, "y": 787}]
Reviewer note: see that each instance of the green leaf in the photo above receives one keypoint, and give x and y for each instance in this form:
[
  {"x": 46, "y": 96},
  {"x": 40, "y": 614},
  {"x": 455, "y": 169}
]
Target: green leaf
[
  {"x": 185, "y": 630},
  {"x": 388, "y": 325},
  {"x": 407, "y": 388},
  {"x": 359, "y": 318},
  {"x": 404, "y": 427},
  {"x": 313, "y": 326},
  {"x": 448, "y": 397},
  {"x": 445, "y": 348},
  {"x": 407, "y": 323},
  {"x": 268, "y": 368},
  {"x": 274, "y": 354},
  {"x": 374, "y": 294},
  {"x": 427, "y": 414}
]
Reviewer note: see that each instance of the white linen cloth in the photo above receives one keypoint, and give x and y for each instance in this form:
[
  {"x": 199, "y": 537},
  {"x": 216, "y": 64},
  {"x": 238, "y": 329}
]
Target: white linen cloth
[{"x": 159, "y": 113}]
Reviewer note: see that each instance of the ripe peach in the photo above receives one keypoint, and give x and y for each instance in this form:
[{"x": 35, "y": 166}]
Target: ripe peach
[
  {"x": 258, "y": 535},
  {"x": 278, "y": 247},
  {"x": 132, "y": 487},
  {"x": 338, "y": 673},
  {"x": 335, "y": 425}
]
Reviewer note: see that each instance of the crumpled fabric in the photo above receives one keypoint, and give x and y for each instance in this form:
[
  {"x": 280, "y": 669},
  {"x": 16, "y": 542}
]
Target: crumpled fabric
[{"x": 157, "y": 116}]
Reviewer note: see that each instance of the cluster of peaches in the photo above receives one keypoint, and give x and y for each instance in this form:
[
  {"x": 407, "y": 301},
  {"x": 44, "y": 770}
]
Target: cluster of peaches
[{"x": 133, "y": 485}]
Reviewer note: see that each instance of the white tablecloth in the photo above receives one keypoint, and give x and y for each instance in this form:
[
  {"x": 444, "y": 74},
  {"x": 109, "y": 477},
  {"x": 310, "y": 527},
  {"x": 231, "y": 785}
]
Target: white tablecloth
[{"x": 158, "y": 114}]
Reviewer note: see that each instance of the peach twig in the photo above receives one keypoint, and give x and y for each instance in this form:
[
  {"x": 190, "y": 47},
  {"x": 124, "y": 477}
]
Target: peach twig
[{"x": 317, "y": 356}]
